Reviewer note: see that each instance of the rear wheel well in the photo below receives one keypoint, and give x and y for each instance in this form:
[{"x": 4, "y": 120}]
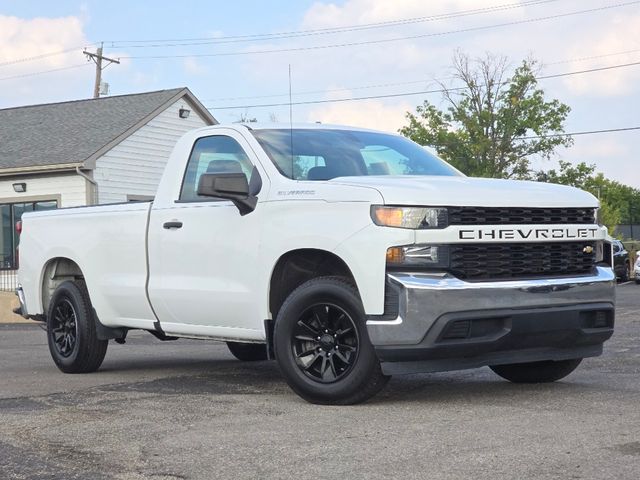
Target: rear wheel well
[
  {"x": 299, "y": 266},
  {"x": 56, "y": 271}
]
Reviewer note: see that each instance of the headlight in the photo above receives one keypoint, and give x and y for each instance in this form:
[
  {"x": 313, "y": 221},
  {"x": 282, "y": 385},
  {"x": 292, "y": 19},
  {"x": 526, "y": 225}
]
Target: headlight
[
  {"x": 422, "y": 256},
  {"x": 409, "y": 217}
]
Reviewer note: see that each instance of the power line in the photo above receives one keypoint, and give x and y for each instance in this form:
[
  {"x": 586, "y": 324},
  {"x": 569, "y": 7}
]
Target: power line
[
  {"x": 593, "y": 57},
  {"x": 331, "y": 90},
  {"x": 589, "y": 70},
  {"x": 322, "y": 31},
  {"x": 410, "y": 82},
  {"x": 44, "y": 71},
  {"x": 585, "y": 132},
  {"x": 309, "y": 92},
  {"x": 422, "y": 92},
  {"x": 384, "y": 40},
  {"x": 44, "y": 55},
  {"x": 267, "y": 36}
]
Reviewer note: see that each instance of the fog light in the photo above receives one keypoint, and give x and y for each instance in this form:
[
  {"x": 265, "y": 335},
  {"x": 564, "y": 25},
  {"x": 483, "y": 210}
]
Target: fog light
[
  {"x": 395, "y": 255},
  {"x": 435, "y": 256}
]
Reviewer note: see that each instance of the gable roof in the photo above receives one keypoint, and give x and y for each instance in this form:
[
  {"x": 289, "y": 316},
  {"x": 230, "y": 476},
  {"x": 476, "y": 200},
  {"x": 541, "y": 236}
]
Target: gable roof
[{"x": 70, "y": 133}]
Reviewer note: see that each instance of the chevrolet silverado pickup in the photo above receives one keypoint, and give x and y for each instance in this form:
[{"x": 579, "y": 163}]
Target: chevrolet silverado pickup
[{"x": 347, "y": 255}]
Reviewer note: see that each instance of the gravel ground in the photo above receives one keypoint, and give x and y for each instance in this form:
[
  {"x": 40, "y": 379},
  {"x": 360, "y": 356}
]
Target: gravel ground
[{"x": 188, "y": 410}]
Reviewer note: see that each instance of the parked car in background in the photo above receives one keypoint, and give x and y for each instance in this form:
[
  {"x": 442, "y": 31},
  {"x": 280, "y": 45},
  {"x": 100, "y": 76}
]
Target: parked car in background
[
  {"x": 636, "y": 269},
  {"x": 621, "y": 261}
]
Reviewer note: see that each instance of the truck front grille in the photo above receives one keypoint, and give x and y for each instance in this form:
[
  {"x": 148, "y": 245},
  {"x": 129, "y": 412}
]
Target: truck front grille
[
  {"x": 521, "y": 260},
  {"x": 522, "y": 216}
]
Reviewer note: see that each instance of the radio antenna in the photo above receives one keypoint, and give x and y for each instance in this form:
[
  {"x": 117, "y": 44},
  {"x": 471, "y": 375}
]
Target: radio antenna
[{"x": 291, "y": 124}]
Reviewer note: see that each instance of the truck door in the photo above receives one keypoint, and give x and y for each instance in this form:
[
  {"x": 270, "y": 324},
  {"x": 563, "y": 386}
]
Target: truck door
[{"x": 202, "y": 252}]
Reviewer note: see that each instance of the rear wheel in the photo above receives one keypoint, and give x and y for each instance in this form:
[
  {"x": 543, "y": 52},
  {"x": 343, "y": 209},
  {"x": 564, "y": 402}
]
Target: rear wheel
[
  {"x": 71, "y": 330},
  {"x": 248, "y": 352},
  {"x": 322, "y": 347},
  {"x": 625, "y": 273},
  {"x": 537, "y": 372}
]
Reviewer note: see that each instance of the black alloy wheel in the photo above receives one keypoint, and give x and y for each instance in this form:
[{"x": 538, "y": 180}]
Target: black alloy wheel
[
  {"x": 322, "y": 346},
  {"x": 71, "y": 329},
  {"x": 64, "y": 328},
  {"x": 325, "y": 342}
]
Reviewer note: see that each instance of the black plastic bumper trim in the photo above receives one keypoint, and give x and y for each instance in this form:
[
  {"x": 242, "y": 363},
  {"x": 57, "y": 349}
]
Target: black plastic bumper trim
[
  {"x": 504, "y": 336},
  {"x": 494, "y": 358}
]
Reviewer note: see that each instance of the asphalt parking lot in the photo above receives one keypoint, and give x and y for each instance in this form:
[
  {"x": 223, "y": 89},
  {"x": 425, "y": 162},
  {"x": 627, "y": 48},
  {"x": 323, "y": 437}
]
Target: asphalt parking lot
[{"x": 188, "y": 410}]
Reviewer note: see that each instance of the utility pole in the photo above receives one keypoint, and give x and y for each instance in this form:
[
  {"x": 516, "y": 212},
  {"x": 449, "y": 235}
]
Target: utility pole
[{"x": 97, "y": 59}]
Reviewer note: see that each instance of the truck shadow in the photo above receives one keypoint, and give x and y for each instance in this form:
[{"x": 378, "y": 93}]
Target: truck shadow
[
  {"x": 230, "y": 377},
  {"x": 478, "y": 387}
]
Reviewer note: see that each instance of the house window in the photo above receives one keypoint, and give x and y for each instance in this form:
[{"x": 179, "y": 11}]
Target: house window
[{"x": 10, "y": 213}]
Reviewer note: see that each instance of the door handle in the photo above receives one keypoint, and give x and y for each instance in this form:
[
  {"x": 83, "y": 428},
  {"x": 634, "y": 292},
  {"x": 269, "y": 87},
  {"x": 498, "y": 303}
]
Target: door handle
[{"x": 170, "y": 225}]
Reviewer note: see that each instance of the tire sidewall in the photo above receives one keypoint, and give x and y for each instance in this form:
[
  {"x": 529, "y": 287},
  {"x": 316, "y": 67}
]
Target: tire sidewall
[
  {"x": 70, "y": 292},
  {"x": 317, "y": 292}
]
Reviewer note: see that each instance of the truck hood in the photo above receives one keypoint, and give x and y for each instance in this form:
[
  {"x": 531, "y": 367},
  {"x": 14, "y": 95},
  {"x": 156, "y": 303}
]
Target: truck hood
[{"x": 469, "y": 191}]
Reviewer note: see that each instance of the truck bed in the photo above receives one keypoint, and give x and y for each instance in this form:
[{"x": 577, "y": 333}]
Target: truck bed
[{"x": 108, "y": 240}]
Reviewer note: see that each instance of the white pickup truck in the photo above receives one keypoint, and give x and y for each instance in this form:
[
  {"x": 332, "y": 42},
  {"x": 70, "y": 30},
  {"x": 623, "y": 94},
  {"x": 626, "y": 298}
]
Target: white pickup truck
[{"x": 347, "y": 255}]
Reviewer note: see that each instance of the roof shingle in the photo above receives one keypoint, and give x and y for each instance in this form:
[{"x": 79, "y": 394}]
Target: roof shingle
[{"x": 70, "y": 132}]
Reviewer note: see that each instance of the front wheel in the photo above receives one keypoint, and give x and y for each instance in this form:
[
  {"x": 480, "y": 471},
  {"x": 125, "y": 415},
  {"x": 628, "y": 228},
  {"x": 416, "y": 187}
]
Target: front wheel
[
  {"x": 322, "y": 347},
  {"x": 71, "y": 330},
  {"x": 537, "y": 372}
]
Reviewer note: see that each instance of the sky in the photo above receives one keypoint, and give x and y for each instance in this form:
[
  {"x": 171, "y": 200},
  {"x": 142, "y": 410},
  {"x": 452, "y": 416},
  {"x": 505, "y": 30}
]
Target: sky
[{"x": 238, "y": 54}]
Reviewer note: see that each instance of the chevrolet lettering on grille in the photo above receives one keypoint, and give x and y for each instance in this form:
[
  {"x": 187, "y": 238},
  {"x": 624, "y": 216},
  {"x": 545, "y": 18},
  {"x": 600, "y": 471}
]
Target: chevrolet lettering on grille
[{"x": 524, "y": 234}]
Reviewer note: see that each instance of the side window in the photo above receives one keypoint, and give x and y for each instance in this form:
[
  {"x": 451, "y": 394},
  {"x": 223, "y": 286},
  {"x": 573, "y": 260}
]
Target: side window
[
  {"x": 216, "y": 154},
  {"x": 308, "y": 167}
]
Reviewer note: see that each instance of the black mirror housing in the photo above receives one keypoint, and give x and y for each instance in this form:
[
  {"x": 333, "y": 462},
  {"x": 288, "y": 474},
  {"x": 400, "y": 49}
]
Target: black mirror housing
[
  {"x": 223, "y": 185},
  {"x": 230, "y": 186}
]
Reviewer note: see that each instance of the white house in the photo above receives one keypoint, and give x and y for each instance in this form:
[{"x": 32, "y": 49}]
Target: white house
[{"x": 85, "y": 152}]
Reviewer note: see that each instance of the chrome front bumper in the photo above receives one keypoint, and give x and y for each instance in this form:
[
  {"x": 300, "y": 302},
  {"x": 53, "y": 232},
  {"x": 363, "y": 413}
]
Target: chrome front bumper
[{"x": 509, "y": 315}]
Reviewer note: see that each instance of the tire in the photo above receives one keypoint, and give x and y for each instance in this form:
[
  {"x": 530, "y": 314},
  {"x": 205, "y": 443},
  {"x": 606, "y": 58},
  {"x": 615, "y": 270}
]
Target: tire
[
  {"x": 70, "y": 315},
  {"x": 322, "y": 346},
  {"x": 537, "y": 372},
  {"x": 248, "y": 352},
  {"x": 624, "y": 277}
]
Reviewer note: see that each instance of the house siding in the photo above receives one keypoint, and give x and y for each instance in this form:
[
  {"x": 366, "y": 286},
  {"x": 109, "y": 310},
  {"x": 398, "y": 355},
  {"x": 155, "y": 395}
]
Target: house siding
[
  {"x": 70, "y": 189},
  {"x": 135, "y": 165}
]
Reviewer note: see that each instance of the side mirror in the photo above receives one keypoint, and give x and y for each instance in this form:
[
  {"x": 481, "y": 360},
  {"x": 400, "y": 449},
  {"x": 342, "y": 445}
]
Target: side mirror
[{"x": 230, "y": 186}]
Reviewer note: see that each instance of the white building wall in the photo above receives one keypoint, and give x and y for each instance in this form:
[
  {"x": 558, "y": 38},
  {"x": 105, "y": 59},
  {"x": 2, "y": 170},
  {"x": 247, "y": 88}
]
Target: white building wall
[
  {"x": 70, "y": 189},
  {"x": 134, "y": 166}
]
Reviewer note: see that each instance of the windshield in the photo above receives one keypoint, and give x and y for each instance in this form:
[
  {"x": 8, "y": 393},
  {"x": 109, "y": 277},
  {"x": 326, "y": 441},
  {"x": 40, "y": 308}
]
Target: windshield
[{"x": 323, "y": 154}]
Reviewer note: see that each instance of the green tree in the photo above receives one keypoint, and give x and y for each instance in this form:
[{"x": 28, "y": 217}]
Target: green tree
[
  {"x": 492, "y": 125},
  {"x": 619, "y": 204},
  {"x": 568, "y": 174}
]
